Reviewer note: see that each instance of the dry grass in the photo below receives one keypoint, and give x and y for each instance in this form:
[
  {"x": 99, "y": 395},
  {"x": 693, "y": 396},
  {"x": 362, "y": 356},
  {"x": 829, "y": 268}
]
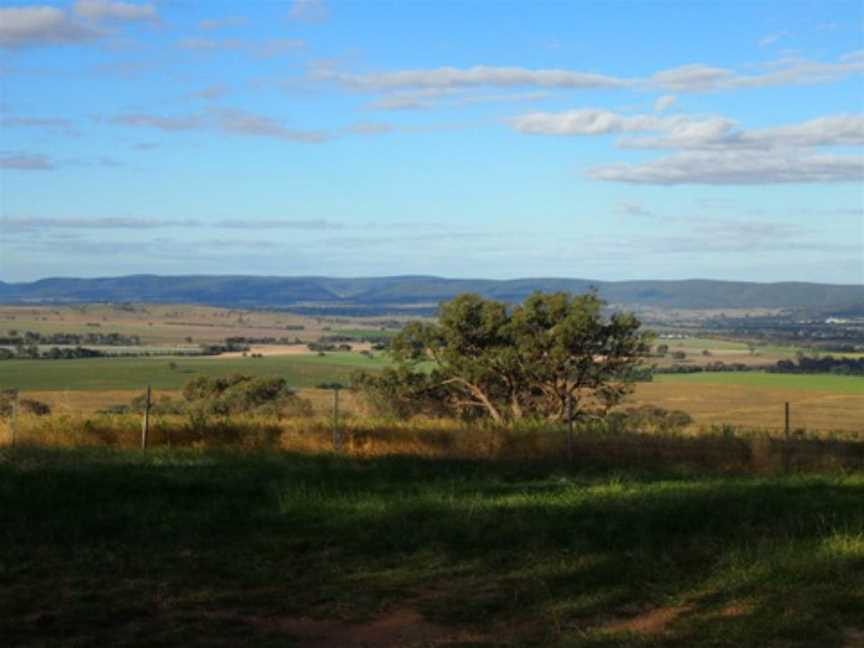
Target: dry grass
[
  {"x": 709, "y": 405},
  {"x": 738, "y": 451},
  {"x": 757, "y": 407}
]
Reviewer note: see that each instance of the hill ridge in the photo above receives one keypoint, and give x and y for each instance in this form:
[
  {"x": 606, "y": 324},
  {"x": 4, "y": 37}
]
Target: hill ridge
[{"x": 422, "y": 292}]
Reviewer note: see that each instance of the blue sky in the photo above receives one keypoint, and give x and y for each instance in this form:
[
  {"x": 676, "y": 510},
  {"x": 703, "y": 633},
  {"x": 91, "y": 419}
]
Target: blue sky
[{"x": 606, "y": 140}]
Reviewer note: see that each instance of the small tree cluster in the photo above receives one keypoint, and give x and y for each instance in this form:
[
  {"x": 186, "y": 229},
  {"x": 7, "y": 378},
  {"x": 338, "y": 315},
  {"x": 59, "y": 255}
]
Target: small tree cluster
[{"x": 240, "y": 393}]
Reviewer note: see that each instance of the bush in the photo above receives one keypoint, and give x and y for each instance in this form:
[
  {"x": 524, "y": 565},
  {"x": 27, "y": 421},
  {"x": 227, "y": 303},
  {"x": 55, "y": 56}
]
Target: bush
[
  {"x": 239, "y": 393},
  {"x": 646, "y": 418},
  {"x": 25, "y": 405}
]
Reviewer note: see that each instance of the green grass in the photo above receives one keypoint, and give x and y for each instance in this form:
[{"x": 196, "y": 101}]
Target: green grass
[
  {"x": 180, "y": 548},
  {"x": 827, "y": 382},
  {"x": 134, "y": 373}
]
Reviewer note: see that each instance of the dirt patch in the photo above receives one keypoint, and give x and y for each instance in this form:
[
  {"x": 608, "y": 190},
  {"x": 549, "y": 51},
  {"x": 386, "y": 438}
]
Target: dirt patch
[
  {"x": 652, "y": 622},
  {"x": 854, "y": 638},
  {"x": 400, "y": 627}
]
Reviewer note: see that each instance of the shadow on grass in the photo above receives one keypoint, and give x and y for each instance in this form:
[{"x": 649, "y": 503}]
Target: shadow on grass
[{"x": 147, "y": 548}]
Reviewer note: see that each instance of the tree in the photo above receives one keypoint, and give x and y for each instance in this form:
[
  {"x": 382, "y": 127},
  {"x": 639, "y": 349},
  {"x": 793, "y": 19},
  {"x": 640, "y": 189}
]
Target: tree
[{"x": 551, "y": 355}]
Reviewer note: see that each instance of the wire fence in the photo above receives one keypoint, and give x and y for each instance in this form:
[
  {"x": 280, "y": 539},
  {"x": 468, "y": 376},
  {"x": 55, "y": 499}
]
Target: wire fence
[{"x": 335, "y": 424}]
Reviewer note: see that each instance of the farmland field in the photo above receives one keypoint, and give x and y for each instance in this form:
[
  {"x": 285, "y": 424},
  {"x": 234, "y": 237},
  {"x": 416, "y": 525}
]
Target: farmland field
[
  {"x": 165, "y": 324},
  {"x": 744, "y": 399},
  {"x": 839, "y": 384},
  {"x": 135, "y": 373}
]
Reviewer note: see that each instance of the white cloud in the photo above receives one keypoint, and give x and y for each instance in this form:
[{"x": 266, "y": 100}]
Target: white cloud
[
  {"x": 115, "y": 10},
  {"x": 244, "y": 123},
  {"x": 693, "y": 77},
  {"x": 226, "y": 120},
  {"x": 26, "y": 162},
  {"x": 834, "y": 130},
  {"x": 430, "y": 97},
  {"x": 40, "y": 25},
  {"x": 57, "y": 124},
  {"x": 696, "y": 77},
  {"x": 596, "y": 121},
  {"x": 479, "y": 75},
  {"x": 736, "y": 168},
  {"x": 161, "y": 122},
  {"x": 664, "y": 103},
  {"x": 681, "y": 131},
  {"x": 30, "y": 223}
]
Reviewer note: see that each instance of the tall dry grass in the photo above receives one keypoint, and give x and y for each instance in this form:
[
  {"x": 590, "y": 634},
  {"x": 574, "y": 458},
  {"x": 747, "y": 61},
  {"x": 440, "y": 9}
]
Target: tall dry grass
[{"x": 714, "y": 449}]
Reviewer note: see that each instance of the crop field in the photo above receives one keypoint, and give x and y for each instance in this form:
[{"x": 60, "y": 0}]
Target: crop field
[
  {"x": 746, "y": 399},
  {"x": 136, "y": 373},
  {"x": 166, "y": 324},
  {"x": 171, "y": 548},
  {"x": 759, "y": 407},
  {"x": 839, "y": 384}
]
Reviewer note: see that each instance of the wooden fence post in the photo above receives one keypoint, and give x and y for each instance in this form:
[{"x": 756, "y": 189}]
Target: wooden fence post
[
  {"x": 570, "y": 427},
  {"x": 786, "y": 439},
  {"x": 15, "y": 419},
  {"x": 337, "y": 438},
  {"x": 145, "y": 424}
]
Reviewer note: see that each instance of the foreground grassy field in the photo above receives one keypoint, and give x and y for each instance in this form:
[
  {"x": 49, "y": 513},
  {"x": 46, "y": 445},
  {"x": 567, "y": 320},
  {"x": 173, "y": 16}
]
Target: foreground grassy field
[{"x": 179, "y": 548}]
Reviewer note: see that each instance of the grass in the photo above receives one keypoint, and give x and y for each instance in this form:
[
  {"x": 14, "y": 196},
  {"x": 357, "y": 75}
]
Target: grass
[
  {"x": 827, "y": 382},
  {"x": 172, "y": 548}
]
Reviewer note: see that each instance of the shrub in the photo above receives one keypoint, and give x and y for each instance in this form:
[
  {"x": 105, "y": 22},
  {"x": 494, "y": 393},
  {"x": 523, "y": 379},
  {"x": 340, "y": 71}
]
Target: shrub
[{"x": 25, "y": 405}]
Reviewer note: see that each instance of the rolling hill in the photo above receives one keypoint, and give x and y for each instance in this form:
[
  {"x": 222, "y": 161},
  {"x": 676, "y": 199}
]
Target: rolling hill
[{"x": 422, "y": 293}]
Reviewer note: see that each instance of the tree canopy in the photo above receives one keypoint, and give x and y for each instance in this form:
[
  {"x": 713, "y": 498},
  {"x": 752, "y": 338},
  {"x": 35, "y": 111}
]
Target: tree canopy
[{"x": 554, "y": 356}]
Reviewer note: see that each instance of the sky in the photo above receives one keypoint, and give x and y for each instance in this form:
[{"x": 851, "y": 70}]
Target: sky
[{"x": 608, "y": 140}]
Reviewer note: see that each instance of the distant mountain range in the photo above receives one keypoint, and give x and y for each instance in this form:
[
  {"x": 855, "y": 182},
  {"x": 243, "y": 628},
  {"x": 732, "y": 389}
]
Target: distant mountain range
[{"x": 378, "y": 295}]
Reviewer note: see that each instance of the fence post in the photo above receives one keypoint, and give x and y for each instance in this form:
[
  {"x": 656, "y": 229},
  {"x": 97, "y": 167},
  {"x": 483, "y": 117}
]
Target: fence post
[
  {"x": 15, "y": 418},
  {"x": 570, "y": 427},
  {"x": 337, "y": 439},
  {"x": 786, "y": 439},
  {"x": 145, "y": 424}
]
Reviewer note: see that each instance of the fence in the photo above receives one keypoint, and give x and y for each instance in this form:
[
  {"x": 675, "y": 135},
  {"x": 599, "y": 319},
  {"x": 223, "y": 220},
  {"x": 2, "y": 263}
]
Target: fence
[{"x": 715, "y": 448}]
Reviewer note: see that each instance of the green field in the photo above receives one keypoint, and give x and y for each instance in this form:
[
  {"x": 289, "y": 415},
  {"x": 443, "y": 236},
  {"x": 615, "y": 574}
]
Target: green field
[
  {"x": 307, "y": 370},
  {"x": 135, "y": 373},
  {"x": 364, "y": 333},
  {"x": 698, "y": 344},
  {"x": 826, "y": 382},
  {"x": 179, "y": 548}
]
